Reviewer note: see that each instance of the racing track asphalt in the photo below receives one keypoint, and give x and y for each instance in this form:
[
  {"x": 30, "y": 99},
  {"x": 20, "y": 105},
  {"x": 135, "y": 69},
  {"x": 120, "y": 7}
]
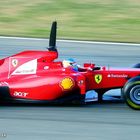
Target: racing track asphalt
[{"x": 106, "y": 121}]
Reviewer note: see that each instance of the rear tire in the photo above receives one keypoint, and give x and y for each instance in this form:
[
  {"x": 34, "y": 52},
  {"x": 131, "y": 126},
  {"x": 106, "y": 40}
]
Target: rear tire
[{"x": 131, "y": 93}]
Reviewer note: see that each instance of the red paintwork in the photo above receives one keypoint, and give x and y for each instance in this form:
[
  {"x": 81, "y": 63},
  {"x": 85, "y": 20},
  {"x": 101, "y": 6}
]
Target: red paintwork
[{"x": 45, "y": 83}]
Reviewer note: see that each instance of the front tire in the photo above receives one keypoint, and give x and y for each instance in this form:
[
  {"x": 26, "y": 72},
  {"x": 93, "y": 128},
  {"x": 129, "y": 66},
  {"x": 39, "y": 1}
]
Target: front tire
[{"x": 131, "y": 93}]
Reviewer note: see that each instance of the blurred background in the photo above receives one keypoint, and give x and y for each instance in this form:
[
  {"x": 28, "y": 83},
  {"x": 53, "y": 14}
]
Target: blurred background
[{"x": 99, "y": 20}]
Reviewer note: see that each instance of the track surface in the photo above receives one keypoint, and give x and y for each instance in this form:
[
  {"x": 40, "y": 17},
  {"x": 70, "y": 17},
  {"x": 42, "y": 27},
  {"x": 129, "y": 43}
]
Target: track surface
[{"x": 112, "y": 121}]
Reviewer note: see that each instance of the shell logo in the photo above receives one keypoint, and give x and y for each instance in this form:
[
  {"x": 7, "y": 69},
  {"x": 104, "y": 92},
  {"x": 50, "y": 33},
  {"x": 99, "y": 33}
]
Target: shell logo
[{"x": 67, "y": 83}]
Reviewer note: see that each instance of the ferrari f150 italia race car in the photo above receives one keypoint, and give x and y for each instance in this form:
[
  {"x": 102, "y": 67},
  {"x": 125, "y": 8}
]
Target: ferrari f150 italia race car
[{"x": 34, "y": 76}]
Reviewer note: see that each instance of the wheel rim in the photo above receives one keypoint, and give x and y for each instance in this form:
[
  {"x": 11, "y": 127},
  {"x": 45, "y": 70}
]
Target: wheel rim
[{"x": 135, "y": 94}]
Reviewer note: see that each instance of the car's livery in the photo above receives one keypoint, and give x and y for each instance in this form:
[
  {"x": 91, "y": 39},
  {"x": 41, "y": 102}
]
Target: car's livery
[{"x": 35, "y": 76}]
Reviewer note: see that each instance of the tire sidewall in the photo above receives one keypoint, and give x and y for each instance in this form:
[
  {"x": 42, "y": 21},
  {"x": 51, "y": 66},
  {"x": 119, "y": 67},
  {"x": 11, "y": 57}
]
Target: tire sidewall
[{"x": 127, "y": 92}]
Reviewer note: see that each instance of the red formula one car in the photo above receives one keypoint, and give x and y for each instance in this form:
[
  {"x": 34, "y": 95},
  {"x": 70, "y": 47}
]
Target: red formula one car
[{"x": 34, "y": 76}]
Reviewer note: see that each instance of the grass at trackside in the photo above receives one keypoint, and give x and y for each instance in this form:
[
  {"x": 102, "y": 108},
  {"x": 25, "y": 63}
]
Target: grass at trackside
[{"x": 102, "y": 20}]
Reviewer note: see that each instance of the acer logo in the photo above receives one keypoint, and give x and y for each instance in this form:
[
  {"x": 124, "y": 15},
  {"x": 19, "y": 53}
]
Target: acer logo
[{"x": 20, "y": 94}]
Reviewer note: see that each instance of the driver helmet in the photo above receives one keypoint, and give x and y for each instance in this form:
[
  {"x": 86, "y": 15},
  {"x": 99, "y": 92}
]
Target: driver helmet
[{"x": 69, "y": 63}]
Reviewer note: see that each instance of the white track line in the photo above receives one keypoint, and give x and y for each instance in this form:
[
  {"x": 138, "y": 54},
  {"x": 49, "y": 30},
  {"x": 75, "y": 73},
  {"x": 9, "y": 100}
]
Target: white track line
[{"x": 73, "y": 41}]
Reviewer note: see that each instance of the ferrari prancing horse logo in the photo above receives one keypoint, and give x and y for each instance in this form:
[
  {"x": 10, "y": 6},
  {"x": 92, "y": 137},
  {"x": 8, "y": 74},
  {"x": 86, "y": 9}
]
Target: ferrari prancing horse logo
[
  {"x": 98, "y": 78},
  {"x": 14, "y": 62}
]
